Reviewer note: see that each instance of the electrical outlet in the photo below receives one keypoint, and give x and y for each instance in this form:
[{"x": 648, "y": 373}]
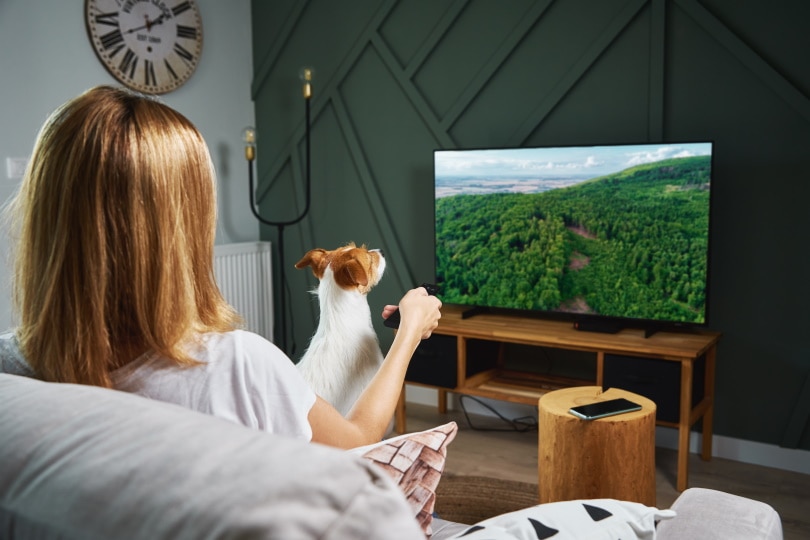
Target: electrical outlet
[{"x": 15, "y": 167}]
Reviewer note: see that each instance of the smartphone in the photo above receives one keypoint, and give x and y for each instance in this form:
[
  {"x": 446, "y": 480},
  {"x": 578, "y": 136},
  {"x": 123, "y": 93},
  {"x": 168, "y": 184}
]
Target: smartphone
[{"x": 600, "y": 409}]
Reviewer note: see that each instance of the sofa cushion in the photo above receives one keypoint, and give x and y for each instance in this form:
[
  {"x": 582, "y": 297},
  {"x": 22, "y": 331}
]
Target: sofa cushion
[
  {"x": 79, "y": 462},
  {"x": 415, "y": 461}
]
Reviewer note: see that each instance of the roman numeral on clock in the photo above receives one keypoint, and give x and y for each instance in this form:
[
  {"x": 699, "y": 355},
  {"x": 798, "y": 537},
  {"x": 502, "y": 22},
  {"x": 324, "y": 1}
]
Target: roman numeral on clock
[
  {"x": 183, "y": 53},
  {"x": 170, "y": 70},
  {"x": 112, "y": 39},
  {"x": 129, "y": 63},
  {"x": 110, "y": 19},
  {"x": 186, "y": 32},
  {"x": 149, "y": 78},
  {"x": 180, "y": 8}
]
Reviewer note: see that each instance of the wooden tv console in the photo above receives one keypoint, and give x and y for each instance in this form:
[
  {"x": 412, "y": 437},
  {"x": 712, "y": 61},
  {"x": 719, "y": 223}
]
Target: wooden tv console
[{"x": 497, "y": 382}]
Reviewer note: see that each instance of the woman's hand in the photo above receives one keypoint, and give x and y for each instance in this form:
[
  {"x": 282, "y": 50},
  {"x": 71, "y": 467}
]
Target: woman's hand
[{"x": 418, "y": 312}]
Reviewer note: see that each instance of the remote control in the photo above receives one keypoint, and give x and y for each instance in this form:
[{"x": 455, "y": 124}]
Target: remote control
[{"x": 393, "y": 320}]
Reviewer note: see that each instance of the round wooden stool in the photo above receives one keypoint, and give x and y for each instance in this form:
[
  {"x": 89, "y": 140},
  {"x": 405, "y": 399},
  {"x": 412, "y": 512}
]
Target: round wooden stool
[{"x": 608, "y": 458}]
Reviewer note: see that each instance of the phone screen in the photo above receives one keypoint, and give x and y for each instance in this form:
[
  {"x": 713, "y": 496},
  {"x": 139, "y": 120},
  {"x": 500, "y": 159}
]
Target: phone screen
[{"x": 600, "y": 409}]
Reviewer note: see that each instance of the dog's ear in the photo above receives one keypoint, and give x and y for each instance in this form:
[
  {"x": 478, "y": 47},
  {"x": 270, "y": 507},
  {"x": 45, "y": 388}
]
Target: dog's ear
[
  {"x": 352, "y": 273},
  {"x": 313, "y": 258}
]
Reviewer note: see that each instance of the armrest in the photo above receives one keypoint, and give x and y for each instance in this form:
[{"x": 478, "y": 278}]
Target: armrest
[{"x": 715, "y": 515}]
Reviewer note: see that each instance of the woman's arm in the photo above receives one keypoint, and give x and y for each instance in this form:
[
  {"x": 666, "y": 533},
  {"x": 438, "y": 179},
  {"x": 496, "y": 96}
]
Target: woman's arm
[{"x": 368, "y": 420}]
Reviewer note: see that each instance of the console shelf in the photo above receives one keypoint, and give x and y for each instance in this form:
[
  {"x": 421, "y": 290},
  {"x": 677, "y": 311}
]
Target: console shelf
[
  {"x": 518, "y": 386},
  {"x": 480, "y": 371}
]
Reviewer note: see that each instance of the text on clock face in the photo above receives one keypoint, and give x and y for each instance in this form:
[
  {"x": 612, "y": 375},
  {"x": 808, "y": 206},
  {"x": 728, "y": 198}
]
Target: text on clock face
[{"x": 127, "y": 7}]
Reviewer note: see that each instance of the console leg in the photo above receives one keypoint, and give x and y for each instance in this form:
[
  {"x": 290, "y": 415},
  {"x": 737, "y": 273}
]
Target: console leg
[
  {"x": 708, "y": 416},
  {"x": 442, "y": 398},
  {"x": 684, "y": 425}
]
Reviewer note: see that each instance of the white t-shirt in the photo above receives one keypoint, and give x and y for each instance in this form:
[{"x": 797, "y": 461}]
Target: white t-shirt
[{"x": 242, "y": 377}]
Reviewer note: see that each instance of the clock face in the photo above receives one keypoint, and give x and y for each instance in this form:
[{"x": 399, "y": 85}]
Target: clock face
[{"x": 152, "y": 46}]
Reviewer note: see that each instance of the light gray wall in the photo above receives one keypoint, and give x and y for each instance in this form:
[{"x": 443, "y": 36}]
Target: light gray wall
[{"x": 46, "y": 58}]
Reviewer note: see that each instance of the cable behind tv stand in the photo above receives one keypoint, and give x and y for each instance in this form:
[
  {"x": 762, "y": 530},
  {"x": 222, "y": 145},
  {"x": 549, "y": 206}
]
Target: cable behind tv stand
[
  {"x": 473, "y": 311},
  {"x": 475, "y": 365}
]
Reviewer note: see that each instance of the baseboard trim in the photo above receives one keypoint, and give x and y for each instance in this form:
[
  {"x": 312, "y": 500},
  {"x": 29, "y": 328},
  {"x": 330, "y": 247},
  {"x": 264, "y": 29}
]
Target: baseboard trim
[{"x": 756, "y": 453}]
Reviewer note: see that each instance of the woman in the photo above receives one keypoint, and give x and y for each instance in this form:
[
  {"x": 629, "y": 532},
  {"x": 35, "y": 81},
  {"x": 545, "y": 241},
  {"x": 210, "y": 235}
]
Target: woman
[{"x": 114, "y": 279}]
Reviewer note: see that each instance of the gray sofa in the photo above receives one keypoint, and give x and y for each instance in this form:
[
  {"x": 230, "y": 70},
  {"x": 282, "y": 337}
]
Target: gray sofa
[{"x": 87, "y": 463}]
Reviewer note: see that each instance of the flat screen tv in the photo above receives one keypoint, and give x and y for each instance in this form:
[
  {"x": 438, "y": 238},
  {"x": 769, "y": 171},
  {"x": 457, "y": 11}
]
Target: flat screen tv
[{"x": 607, "y": 236}]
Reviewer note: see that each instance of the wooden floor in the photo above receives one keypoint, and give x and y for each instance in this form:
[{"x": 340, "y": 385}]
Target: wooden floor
[{"x": 513, "y": 456}]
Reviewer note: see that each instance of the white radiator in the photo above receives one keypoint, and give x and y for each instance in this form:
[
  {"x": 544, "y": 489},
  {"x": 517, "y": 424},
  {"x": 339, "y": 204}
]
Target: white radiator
[{"x": 244, "y": 274}]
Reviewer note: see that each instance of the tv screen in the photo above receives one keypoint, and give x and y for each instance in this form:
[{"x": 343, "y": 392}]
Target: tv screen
[{"x": 614, "y": 233}]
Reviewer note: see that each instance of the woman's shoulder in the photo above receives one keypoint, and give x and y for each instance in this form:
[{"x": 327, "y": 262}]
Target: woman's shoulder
[
  {"x": 239, "y": 341},
  {"x": 242, "y": 348}
]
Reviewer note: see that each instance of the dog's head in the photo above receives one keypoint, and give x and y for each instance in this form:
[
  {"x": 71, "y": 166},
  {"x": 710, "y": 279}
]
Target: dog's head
[{"x": 353, "y": 267}]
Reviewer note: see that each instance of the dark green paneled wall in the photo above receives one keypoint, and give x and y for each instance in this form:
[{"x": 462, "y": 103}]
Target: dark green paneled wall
[{"x": 396, "y": 79}]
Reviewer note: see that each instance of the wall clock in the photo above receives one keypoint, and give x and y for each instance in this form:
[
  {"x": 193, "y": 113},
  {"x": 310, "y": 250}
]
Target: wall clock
[{"x": 152, "y": 46}]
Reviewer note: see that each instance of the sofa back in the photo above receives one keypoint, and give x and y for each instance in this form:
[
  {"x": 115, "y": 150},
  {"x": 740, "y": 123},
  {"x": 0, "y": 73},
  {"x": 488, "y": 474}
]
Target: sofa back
[{"x": 80, "y": 462}]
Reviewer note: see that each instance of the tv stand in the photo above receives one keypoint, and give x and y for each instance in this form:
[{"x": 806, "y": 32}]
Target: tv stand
[{"x": 477, "y": 367}]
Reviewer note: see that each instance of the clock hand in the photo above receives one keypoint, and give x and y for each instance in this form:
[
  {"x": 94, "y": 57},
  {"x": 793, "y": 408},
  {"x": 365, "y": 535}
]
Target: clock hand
[
  {"x": 148, "y": 25},
  {"x": 159, "y": 20},
  {"x": 146, "y": 19}
]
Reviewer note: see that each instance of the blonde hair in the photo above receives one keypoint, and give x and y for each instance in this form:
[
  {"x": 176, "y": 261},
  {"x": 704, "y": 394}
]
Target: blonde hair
[{"x": 116, "y": 219}]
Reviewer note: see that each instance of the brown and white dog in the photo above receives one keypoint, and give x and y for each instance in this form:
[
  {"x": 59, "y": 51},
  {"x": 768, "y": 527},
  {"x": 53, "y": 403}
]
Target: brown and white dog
[{"x": 344, "y": 353}]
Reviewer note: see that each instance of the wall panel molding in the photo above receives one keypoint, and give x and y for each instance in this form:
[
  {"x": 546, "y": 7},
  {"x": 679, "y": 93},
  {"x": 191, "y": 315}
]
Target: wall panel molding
[
  {"x": 396, "y": 79},
  {"x": 745, "y": 54},
  {"x": 578, "y": 68}
]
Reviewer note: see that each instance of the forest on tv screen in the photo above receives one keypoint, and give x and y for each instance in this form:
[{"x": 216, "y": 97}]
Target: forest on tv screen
[{"x": 631, "y": 244}]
